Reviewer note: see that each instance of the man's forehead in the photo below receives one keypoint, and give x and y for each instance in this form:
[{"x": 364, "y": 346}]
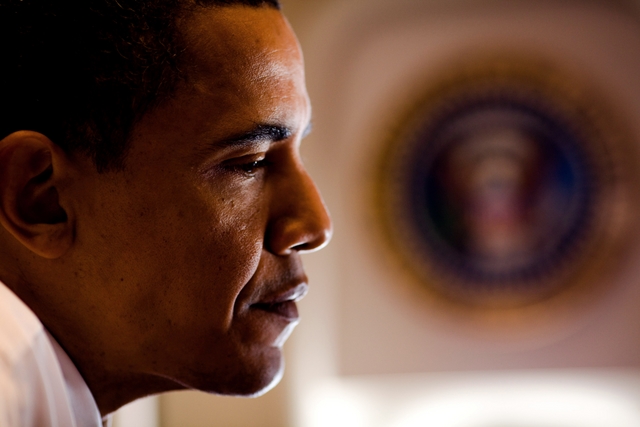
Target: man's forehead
[
  {"x": 239, "y": 54},
  {"x": 256, "y": 41},
  {"x": 243, "y": 77}
]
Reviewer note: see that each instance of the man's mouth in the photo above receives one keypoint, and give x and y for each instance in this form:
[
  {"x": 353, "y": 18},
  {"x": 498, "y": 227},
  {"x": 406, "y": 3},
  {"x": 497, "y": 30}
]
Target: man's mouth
[
  {"x": 284, "y": 304},
  {"x": 286, "y": 309}
]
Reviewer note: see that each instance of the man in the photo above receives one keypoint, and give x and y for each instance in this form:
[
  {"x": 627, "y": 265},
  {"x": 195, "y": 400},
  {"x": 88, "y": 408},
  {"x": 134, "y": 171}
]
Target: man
[{"x": 153, "y": 203}]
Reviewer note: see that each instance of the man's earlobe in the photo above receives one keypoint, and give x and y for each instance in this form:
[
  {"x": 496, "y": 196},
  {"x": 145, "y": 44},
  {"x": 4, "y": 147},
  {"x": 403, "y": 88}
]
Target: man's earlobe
[{"x": 31, "y": 170}]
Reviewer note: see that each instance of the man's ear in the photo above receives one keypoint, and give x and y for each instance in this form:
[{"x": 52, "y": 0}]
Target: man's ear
[{"x": 32, "y": 168}]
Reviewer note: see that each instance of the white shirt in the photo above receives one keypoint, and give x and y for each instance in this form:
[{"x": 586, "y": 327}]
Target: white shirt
[{"x": 39, "y": 385}]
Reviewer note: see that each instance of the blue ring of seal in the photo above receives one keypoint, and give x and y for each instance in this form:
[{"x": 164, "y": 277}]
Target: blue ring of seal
[{"x": 570, "y": 172}]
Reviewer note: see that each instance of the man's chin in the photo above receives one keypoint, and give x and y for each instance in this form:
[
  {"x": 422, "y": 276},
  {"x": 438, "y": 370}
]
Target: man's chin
[
  {"x": 253, "y": 381},
  {"x": 266, "y": 385}
]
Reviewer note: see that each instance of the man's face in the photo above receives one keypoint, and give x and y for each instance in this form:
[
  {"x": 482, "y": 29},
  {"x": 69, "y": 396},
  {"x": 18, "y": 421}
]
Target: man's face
[{"x": 192, "y": 252}]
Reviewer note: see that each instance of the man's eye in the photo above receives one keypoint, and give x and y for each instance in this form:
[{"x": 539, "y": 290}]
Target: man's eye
[{"x": 251, "y": 167}]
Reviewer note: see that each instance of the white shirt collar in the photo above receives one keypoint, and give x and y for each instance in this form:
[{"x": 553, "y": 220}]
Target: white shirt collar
[{"x": 83, "y": 404}]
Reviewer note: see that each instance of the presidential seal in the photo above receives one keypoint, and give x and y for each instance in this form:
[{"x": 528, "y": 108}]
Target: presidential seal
[{"x": 506, "y": 183}]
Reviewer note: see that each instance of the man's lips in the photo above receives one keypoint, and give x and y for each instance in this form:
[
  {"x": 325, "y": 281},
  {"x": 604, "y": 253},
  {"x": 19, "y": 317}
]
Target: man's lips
[
  {"x": 286, "y": 309},
  {"x": 283, "y": 304}
]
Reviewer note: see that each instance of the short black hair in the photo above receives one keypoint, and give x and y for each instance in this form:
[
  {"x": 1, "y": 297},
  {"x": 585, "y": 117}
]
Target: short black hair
[{"x": 84, "y": 72}]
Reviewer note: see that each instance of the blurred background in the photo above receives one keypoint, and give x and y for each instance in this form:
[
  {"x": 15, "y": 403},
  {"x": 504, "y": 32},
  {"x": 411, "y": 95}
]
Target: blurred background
[{"x": 480, "y": 160}]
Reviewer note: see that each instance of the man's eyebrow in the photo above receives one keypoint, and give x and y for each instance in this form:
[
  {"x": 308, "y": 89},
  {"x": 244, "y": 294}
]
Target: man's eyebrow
[
  {"x": 261, "y": 133},
  {"x": 258, "y": 134}
]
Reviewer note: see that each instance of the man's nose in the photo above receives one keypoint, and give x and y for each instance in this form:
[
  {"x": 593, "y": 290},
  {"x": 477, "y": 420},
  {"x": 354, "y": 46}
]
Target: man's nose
[{"x": 300, "y": 221}]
